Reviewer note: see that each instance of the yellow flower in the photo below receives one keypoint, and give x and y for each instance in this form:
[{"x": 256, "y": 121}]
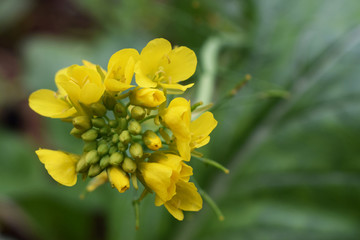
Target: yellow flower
[
  {"x": 147, "y": 97},
  {"x": 189, "y": 135},
  {"x": 121, "y": 70},
  {"x": 60, "y": 165},
  {"x": 81, "y": 84},
  {"x": 162, "y": 172},
  {"x": 119, "y": 179},
  {"x": 162, "y": 66},
  {"x": 186, "y": 199}
]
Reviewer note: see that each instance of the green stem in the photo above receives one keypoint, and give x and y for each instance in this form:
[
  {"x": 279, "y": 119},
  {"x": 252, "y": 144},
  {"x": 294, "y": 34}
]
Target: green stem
[
  {"x": 147, "y": 118},
  {"x": 212, "y": 204},
  {"x": 212, "y": 163}
]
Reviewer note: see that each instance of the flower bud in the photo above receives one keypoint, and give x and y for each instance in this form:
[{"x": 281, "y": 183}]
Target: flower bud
[
  {"x": 129, "y": 165},
  {"x": 113, "y": 123},
  {"x": 76, "y": 132},
  {"x": 136, "y": 150},
  {"x": 98, "y": 109},
  {"x": 116, "y": 158},
  {"x": 125, "y": 137},
  {"x": 88, "y": 146},
  {"x": 123, "y": 123},
  {"x": 147, "y": 97},
  {"x": 92, "y": 157},
  {"x": 137, "y": 113},
  {"x": 151, "y": 140},
  {"x": 119, "y": 179},
  {"x": 98, "y": 122},
  {"x": 120, "y": 110},
  {"x": 89, "y": 135},
  {"x": 112, "y": 149},
  {"x": 122, "y": 147},
  {"x": 115, "y": 138},
  {"x": 134, "y": 127},
  {"x": 81, "y": 122},
  {"x": 104, "y": 131},
  {"x": 109, "y": 101},
  {"x": 102, "y": 149},
  {"x": 105, "y": 162},
  {"x": 94, "y": 170},
  {"x": 81, "y": 165}
]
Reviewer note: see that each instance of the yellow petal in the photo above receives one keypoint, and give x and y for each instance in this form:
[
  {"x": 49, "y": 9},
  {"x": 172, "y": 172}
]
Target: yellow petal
[
  {"x": 60, "y": 165},
  {"x": 97, "y": 181},
  {"x": 122, "y": 58},
  {"x": 115, "y": 85},
  {"x": 187, "y": 198},
  {"x": 119, "y": 179},
  {"x": 174, "y": 211},
  {"x": 176, "y": 88},
  {"x": 158, "y": 178},
  {"x": 180, "y": 65},
  {"x": 60, "y": 74},
  {"x": 46, "y": 103},
  {"x": 153, "y": 53},
  {"x": 186, "y": 172},
  {"x": 201, "y": 128},
  {"x": 183, "y": 146},
  {"x": 91, "y": 93},
  {"x": 142, "y": 78}
]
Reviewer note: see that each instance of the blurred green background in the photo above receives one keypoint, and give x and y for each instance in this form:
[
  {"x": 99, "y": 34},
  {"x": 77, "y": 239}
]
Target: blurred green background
[{"x": 290, "y": 137}]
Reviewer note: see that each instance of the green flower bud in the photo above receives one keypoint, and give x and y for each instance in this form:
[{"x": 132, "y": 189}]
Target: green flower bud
[
  {"x": 120, "y": 110},
  {"x": 137, "y": 113},
  {"x": 92, "y": 157},
  {"x": 102, "y": 149},
  {"x": 115, "y": 138},
  {"x": 151, "y": 140},
  {"x": 88, "y": 146},
  {"x": 104, "y": 131},
  {"x": 98, "y": 109},
  {"x": 105, "y": 162},
  {"x": 125, "y": 137},
  {"x": 129, "y": 165},
  {"x": 98, "y": 122},
  {"x": 122, "y": 147},
  {"x": 81, "y": 165},
  {"x": 122, "y": 123},
  {"x": 136, "y": 150},
  {"x": 94, "y": 170},
  {"x": 76, "y": 132},
  {"x": 89, "y": 135},
  {"x": 113, "y": 123},
  {"x": 134, "y": 127},
  {"x": 81, "y": 122},
  {"x": 112, "y": 149},
  {"x": 109, "y": 101},
  {"x": 116, "y": 158}
]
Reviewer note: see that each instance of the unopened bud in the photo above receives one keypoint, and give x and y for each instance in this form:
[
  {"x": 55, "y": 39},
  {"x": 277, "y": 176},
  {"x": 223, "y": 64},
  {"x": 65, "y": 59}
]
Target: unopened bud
[
  {"x": 112, "y": 149},
  {"x": 113, "y": 123},
  {"x": 88, "y": 146},
  {"x": 129, "y": 165},
  {"x": 92, "y": 157},
  {"x": 122, "y": 147},
  {"x": 89, "y": 135},
  {"x": 81, "y": 122},
  {"x": 151, "y": 140},
  {"x": 81, "y": 165},
  {"x": 76, "y": 132},
  {"x": 122, "y": 123},
  {"x": 103, "y": 149},
  {"x": 136, "y": 150},
  {"x": 115, "y": 138},
  {"x": 147, "y": 97},
  {"x": 109, "y": 101},
  {"x": 125, "y": 137},
  {"x": 134, "y": 127},
  {"x": 105, "y": 162},
  {"x": 104, "y": 131},
  {"x": 116, "y": 158},
  {"x": 98, "y": 109},
  {"x": 94, "y": 170},
  {"x": 137, "y": 113},
  {"x": 120, "y": 110},
  {"x": 98, "y": 122}
]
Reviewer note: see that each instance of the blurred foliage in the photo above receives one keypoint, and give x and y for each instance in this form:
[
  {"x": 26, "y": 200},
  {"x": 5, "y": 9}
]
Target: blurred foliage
[{"x": 289, "y": 137}]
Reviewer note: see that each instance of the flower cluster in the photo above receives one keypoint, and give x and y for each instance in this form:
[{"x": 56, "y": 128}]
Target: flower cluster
[{"x": 130, "y": 132}]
